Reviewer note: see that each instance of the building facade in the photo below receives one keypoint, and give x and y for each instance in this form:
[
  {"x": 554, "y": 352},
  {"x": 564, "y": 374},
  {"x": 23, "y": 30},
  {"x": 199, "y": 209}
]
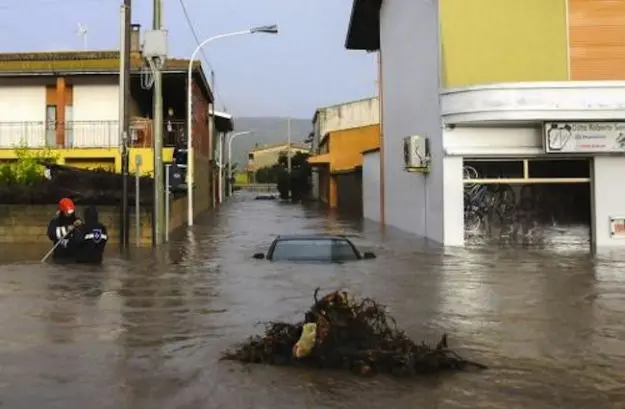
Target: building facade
[
  {"x": 67, "y": 103},
  {"x": 338, "y": 117},
  {"x": 268, "y": 155},
  {"x": 487, "y": 81},
  {"x": 339, "y": 166}
]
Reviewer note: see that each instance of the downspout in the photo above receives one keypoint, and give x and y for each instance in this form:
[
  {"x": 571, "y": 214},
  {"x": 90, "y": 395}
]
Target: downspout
[{"x": 381, "y": 115}]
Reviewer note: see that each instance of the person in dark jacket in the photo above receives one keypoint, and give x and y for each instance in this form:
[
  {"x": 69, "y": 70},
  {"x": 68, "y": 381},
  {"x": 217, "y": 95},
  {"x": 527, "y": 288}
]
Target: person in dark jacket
[
  {"x": 90, "y": 238},
  {"x": 61, "y": 228}
]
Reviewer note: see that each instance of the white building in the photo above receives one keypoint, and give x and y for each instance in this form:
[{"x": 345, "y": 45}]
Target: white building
[
  {"x": 502, "y": 121},
  {"x": 71, "y": 100}
]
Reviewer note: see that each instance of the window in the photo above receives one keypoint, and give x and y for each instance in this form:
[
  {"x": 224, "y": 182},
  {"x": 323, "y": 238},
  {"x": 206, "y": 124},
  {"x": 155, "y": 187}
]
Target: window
[
  {"x": 314, "y": 250},
  {"x": 69, "y": 124},
  {"x": 51, "y": 125}
]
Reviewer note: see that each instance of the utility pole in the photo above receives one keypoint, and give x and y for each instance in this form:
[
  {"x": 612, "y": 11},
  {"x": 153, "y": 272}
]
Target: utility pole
[
  {"x": 159, "y": 188},
  {"x": 211, "y": 137},
  {"x": 124, "y": 117},
  {"x": 288, "y": 155}
]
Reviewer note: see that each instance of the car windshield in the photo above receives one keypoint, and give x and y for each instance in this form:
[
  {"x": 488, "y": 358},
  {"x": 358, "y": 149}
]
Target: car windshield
[{"x": 313, "y": 250}]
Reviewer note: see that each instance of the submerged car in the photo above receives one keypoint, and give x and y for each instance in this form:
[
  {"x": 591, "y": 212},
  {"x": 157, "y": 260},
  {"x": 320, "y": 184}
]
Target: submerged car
[{"x": 313, "y": 248}]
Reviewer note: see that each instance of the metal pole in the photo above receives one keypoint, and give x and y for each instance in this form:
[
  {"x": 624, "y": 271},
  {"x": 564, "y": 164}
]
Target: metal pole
[
  {"x": 138, "y": 163},
  {"x": 230, "y": 139},
  {"x": 288, "y": 155},
  {"x": 167, "y": 197},
  {"x": 211, "y": 141},
  {"x": 190, "y": 153},
  {"x": 159, "y": 216},
  {"x": 124, "y": 116},
  {"x": 221, "y": 167}
]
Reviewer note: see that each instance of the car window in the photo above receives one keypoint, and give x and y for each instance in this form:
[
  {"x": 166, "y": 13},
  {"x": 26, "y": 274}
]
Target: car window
[{"x": 313, "y": 250}]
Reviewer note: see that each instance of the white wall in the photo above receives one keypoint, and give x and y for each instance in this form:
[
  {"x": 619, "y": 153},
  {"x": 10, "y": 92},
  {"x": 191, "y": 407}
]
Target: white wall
[
  {"x": 22, "y": 115},
  {"x": 371, "y": 186},
  {"x": 96, "y": 112},
  {"x": 608, "y": 198},
  {"x": 409, "y": 33},
  {"x": 348, "y": 115}
]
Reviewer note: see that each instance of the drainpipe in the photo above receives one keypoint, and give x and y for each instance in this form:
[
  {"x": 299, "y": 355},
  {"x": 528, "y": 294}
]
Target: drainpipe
[{"x": 381, "y": 114}]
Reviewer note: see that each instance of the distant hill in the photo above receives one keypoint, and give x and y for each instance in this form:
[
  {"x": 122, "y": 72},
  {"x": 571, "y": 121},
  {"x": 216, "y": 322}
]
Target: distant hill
[{"x": 266, "y": 131}]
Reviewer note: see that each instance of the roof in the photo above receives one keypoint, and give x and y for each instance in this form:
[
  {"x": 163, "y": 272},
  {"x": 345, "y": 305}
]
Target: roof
[
  {"x": 363, "y": 32},
  {"x": 280, "y": 145},
  {"x": 223, "y": 115},
  {"x": 73, "y": 63},
  {"x": 372, "y": 150}
]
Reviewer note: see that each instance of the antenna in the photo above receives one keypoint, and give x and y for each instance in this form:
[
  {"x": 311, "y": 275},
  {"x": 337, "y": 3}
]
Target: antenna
[{"x": 82, "y": 32}]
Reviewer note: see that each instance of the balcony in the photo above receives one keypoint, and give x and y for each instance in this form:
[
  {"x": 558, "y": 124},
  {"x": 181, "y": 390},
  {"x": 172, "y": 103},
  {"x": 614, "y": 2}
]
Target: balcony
[{"x": 86, "y": 134}]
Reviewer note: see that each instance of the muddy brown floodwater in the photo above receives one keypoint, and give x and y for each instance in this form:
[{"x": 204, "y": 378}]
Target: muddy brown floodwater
[{"x": 147, "y": 332}]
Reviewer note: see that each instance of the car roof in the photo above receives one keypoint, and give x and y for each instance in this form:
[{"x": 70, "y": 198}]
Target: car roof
[{"x": 284, "y": 237}]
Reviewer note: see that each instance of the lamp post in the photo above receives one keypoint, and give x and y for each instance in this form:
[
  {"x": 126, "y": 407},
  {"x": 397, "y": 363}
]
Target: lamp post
[
  {"x": 271, "y": 29},
  {"x": 234, "y": 135}
]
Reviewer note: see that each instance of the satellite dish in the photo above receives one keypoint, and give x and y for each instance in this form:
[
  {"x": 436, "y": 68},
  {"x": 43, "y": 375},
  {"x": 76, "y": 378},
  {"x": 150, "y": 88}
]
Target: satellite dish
[{"x": 82, "y": 32}]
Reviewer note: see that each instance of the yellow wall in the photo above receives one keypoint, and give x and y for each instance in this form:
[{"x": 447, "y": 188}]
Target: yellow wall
[
  {"x": 491, "y": 41},
  {"x": 108, "y": 158},
  {"x": 346, "y": 146},
  {"x": 344, "y": 152},
  {"x": 269, "y": 157}
]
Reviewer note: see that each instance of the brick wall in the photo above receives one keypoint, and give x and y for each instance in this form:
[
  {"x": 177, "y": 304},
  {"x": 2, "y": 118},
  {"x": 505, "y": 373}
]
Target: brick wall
[{"x": 28, "y": 223}]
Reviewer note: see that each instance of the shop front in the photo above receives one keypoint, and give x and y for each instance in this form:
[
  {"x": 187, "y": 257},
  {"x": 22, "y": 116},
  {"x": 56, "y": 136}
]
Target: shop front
[{"x": 522, "y": 159}]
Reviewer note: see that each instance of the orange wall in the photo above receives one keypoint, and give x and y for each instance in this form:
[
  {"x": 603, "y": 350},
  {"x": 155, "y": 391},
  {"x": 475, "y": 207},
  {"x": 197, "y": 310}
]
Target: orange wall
[
  {"x": 597, "y": 39},
  {"x": 346, "y": 146}
]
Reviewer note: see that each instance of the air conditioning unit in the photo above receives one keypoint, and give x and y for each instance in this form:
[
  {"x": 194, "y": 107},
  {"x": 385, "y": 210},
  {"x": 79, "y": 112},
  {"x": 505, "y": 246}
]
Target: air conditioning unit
[{"x": 416, "y": 153}]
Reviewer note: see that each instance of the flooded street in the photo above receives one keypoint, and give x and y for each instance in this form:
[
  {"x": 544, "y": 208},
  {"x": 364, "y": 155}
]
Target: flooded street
[{"x": 147, "y": 333}]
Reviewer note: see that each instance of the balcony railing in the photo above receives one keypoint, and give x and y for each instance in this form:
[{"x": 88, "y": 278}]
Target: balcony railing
[
  {"x": 86, "y": 134},
  {"x": 74, "y": 134}
]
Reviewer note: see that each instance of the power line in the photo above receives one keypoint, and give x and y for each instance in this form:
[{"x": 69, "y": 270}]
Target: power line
[{"x": 198, "y": 41}]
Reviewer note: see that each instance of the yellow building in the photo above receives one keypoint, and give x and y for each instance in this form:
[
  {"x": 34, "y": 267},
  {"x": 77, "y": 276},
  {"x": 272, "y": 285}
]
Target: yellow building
[
  {"x": 267, "y": 155},
  {"x": 339, "y": 165},
  {"x": 68, "y": 103}
]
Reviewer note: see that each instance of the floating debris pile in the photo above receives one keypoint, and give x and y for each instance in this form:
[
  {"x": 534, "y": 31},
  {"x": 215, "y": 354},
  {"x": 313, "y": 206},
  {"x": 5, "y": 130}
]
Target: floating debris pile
[{"x": 339, "y": 332}]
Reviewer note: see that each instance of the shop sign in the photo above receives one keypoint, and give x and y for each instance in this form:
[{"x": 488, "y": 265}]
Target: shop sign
[
  {"x": 617, "y": 227},
  {"x": 585, "y": 137}
]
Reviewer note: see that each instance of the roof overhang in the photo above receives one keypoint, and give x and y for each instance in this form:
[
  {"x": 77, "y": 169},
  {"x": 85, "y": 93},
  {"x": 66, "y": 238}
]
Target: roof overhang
[
  {"x": 319, "y": 160},
  {"x": 363, "y": 32},
  {"x": 198, "y": 72},
  {"x": 223, "y": 121},
  {"x": 368, "y": 151},
  {"x": 533, "y": 102}
]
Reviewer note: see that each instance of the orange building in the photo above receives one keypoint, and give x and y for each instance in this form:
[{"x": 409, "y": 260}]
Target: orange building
[{"x": 339, "y": 166}]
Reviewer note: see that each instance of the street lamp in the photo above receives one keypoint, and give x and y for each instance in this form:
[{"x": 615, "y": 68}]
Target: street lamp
[
  {"x": 270, "y": 29},
  {"x": 234, "y": 135}
]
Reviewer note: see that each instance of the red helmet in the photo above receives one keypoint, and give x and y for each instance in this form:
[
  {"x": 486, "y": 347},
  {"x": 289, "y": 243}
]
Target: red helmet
[{"x": 66, "y": 206}]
